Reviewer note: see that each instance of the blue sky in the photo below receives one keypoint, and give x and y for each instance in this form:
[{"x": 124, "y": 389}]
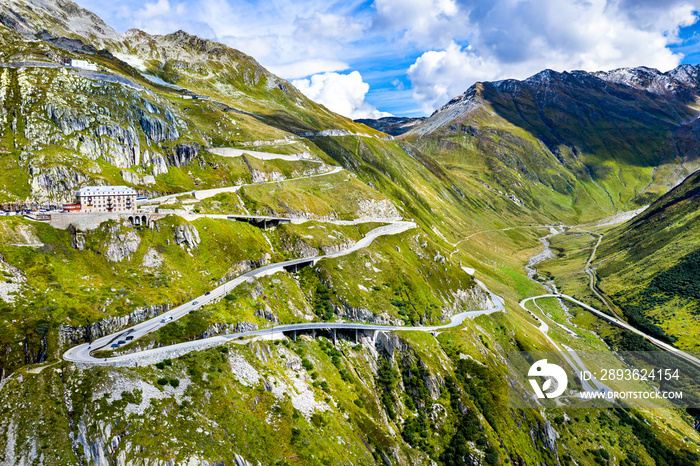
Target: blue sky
[{"x": 364, "y": 58}]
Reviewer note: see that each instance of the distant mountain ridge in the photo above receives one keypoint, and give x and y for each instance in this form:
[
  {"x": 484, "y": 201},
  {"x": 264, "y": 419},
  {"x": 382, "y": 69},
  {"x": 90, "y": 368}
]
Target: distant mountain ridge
[
  {"x": 394, "y": 126},
  {"x": 604, "y": 138},
  {"x": 548, "y": 89}
]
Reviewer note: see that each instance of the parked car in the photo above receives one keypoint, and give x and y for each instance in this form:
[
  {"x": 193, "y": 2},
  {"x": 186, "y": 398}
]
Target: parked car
[
  {"x": 130, "y": 337},
  {"x": 207, "y": 293},
  {"x": 114, "y": 345},
  {"x": 121, "y": 342}
]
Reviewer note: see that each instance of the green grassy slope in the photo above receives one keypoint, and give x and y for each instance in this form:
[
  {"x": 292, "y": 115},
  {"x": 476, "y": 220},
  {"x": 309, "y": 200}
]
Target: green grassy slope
[{"x": 649, "y": 265}]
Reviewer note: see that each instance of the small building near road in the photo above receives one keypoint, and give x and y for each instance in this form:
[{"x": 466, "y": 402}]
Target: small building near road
[
  {"x": 106, "y": 199},
  {"x": 83, "y": 65},
  {"x": 72, "y": 207}
]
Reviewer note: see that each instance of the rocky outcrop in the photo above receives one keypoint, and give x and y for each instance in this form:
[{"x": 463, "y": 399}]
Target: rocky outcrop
[
  {"x": 225, "y": 329},
  {"x": 245, "y": 266},
  {"x": 123, "y": 242},
  {"x": 77, "y": 238},
  {"x": 157, "y": 130},
  {"x": 473, "y": 298},
  {"x": 438, "y": 413},
  {"x": 91, "y": 117},
  {"x": 335, "y": 248},
  {"x": 258, "y": 176},
  {"x": 390, "y": 342},
  {"x": 182, "y": 154},
  {"x": 376, "y": 208},
  {"x": 152, "y": 259},
  {"x": 133, "y": 178},
  {"x": 187, "y": 236},
  {"x": 301, "y": 249},
  {"x": 267, "y": 314},
  {"x": 66, "y": 119},
  {"x": 68, "y": 335},
  {"x": 11, "y": 280},
  {"x": 100, "y": 446},
  {"x": 56, "y": 183},
  {"x": 156, "y": 162},
  {"x": 546, "y": 433},
  {"x": 359, "y": 314}
]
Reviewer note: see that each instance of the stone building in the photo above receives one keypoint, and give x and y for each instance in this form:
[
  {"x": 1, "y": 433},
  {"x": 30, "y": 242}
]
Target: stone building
[{"x": 106, "y": 199}]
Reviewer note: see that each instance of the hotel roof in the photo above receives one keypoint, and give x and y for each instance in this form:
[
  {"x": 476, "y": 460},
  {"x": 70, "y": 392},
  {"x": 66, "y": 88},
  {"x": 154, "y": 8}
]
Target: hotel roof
[{"x": 105, "y": 191}]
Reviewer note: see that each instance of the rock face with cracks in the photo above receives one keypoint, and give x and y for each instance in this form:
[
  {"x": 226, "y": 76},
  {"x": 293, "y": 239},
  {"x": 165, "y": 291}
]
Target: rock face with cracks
[
  {"x": 187, "y": 235},
  {"x": 122, "y": 243}
]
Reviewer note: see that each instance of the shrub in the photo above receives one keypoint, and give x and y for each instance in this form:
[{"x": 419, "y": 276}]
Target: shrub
[
  {"x": 387, "y": 377},
  {"x": 307, "y": 364},
  {"x": 318, "y": 419},
  {"x": 160, "y": 365},
  {"x": 134, "y": 398},
  {"x": 163, "y": 381},
  {"x": 296, "y": 436},
  {"x": 345, "y": 375},
  {"x": 174, "y": 383},
  {"x": 491, "y": 456}
]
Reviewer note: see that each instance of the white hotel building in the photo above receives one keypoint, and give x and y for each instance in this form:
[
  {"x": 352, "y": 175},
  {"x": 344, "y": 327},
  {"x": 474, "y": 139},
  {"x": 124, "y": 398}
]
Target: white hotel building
[{"x": 106, "y": 199}]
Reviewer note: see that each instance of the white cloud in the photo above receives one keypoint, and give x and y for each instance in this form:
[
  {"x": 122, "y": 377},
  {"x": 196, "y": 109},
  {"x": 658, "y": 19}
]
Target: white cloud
[
  {"x": 340, "y": 93},
  {"x": 518, "y": 38},
  {"x": 330, "y": 25},
  {"x": 304, "y": 68},
  {"x": 426, "y": 22},
  {"x": 437, "y": 76},
  {"x": 150, "y": 10}
]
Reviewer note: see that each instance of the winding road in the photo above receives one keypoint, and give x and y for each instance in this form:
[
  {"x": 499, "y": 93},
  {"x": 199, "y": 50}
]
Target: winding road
[
  {"x": 82, "y": 354},
  {"x": 591, "y": 275},
  {"x": 619, "y": 323},
  {"x": 232, "y": 152},
  {"x": 206, "y": 193}
]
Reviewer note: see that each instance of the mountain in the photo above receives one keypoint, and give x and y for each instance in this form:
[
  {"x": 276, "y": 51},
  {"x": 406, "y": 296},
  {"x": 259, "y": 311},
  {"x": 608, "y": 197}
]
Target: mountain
[
  {"x": 392, "y": 125},
  {"x": 607, "y": 141},
  {"x": 72, "y": 132}
]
